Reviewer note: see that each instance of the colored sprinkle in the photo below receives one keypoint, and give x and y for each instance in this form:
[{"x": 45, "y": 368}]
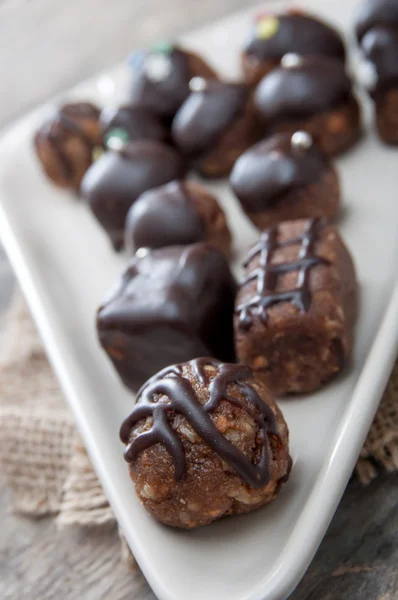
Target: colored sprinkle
[
  {"x": 267, "y": 27},
  {"x": 97, "y": 152},
  {"x": 136, "y": 58},
  {"x": 162, "y": 47},
  {"x": 116, "y": 138}
]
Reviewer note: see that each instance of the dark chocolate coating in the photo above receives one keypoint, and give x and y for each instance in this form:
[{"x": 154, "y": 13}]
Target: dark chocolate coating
[
  {"x": 138, "y": 123},
  {"x": 380, "y": 46},
  {"x": 182, "y": 399},
  {"x": 172, "y": 305},
  {"x": 299, "y": 33},
  {"x": 205, "y": 115},
  {"x": 317, "y": 85},
  {"x": 164, "y": 216},
  {"x": 265, "y": 173},
  {"x": 166, "y": 96},
  {"x": 115, "y": 181},
  {"x": 376, "y": 13}
]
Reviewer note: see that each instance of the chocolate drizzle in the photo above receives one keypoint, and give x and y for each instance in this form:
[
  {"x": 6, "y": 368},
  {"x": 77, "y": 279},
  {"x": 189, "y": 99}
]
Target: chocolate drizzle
[
  {"x": 183, "y": 400},
  {"x": 66, "y": 121},
  {"x": 266, "y": 274}
]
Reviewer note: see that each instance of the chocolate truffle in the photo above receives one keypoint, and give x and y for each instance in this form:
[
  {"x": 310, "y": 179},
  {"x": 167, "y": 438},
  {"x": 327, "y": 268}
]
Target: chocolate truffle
[
  {"x": 296, "y": 307},
  {"x": 204, "y": 441},
  {"x": 376, "y": 13},
  {"x": 178, "y": 213},
  {"x": 171, "y": 305},
  {"x": 215, "y": 125},
  {"x": 65, "y": 143},
  {"x": 274, "y": 35},
  {"x": 130, "y": 123},
  {"x": 313, "y": 94},
  {"x": 285, "y": 177},
  {"x": 162, "y": 75},
  {"x": 377, "y": 29},
  {"x": 115, "y": 181},
  {"x": 380, "y": 50}
]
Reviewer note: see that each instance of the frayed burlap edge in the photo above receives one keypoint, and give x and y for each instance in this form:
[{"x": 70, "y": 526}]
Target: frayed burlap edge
[{"x": 44, "y": 462}]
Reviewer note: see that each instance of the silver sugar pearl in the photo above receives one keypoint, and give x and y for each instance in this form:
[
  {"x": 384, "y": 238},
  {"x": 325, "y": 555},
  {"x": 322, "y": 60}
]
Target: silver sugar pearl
[
  {"x": 158, "y": 67},
  {"x": 290, "y": 60},
  {"x": 197, "y": 84},
  {"x": 115, "y": 143},
  {"x": 142, "y": 252},
  {"x": 367, "y": 74},
  {"x": 301, "y": 140}
]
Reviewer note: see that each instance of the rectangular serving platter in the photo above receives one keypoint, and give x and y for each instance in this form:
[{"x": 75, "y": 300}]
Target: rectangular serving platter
[{"x": 65, "y": 266}]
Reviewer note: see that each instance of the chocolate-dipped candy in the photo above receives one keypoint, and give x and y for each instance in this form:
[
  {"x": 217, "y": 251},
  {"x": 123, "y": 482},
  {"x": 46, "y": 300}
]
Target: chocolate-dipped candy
[
  {"x": 130, "y": 123},
  {"x": 115, "y": 181},
  {"x": 65, "y": 143},
  {"x": 204, "y": 441},
  {"x": 171, "y": 304},
  {"x": 376, "y": 13},
  {"x": 161, "y": 77},
  {"x": 285, "y": 177},
  {"x": 380, "y": 51},
  {"x": 377, "y": 29},
  {"x": 312, "y": 94},
  {"x": 275, "y": 34},
  {"x": 215, "y": 125},
  {"x": 296, "y": 306},
  {"x": 178, "y": 213}
]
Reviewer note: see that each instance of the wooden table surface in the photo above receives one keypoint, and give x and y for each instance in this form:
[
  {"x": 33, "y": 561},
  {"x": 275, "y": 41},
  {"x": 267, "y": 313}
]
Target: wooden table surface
[{"x": 46, "y": 47}]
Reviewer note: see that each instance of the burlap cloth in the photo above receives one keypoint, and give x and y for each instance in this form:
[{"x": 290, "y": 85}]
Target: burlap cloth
[{"x": 44, "y": 462}]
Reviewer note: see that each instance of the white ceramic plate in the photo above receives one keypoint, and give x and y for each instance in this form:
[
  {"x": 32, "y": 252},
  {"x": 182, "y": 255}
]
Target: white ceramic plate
[{"x": 65, "y": 266}]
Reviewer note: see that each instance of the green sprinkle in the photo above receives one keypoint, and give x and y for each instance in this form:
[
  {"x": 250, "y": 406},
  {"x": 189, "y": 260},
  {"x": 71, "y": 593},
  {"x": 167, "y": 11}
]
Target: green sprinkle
[
  {"x": 162, "y": 47},
  {"x": 118, "y": 135}
]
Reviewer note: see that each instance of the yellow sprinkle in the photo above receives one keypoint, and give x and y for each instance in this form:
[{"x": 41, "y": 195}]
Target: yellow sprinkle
[
  {"x": 267, "y": 27},
  {"x": 97, "y": 153}
]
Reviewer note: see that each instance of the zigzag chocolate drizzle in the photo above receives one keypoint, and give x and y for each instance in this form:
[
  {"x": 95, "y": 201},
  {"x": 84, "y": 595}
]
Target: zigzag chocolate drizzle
[
  {"x": 182, "y": 399},
  {"x": 267, "y": 274},
  {"x": 54, "y": 137}
]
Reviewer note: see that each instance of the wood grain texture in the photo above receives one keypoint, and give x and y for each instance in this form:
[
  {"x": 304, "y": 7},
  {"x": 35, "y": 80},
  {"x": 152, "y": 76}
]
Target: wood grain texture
[{"x": 46, "y": 47}]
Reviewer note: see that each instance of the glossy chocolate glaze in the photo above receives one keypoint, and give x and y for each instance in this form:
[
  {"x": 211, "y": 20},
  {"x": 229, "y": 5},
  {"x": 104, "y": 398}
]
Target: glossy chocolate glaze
[
  {"x": 138, "y": 123},
  {"x": 171, "y": 305},
  {"x": 266, "y": 274},
  {"x": 182, "y": 399},
  {"x": 376, "y": 13},
  {"x": 165, "y": 216},
  {"x": 268, "y": 171},
  {"x": 206, "y": 114},
  {"x": 296, "y": 32},
  {"x": 115, "y": 181},
  {"x": 380, "y": 47},
  {"x": 315, "y": 85},
  {"x": 162, "y": 95}
]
